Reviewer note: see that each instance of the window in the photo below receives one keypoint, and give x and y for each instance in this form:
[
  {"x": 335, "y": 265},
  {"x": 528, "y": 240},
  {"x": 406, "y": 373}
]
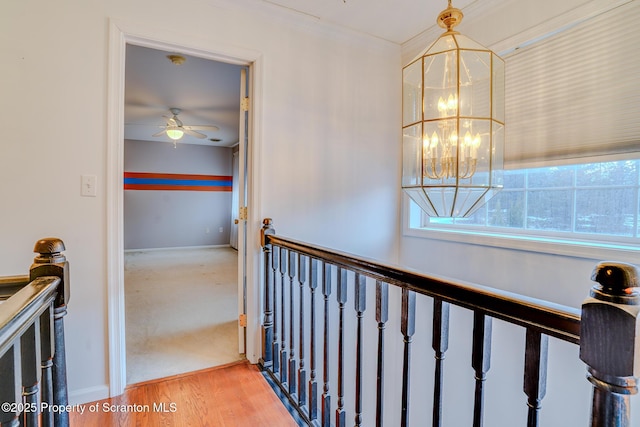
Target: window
[
  {"x": 596, "y": 203},
  {"x": 572, "y": 149}
]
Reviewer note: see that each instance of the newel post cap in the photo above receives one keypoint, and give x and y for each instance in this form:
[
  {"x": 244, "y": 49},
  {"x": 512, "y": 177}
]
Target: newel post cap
[
  {"x": 267, "y": 230},
  {"x": 610, "y": 328},
  {"x": 50, "y": 261}
]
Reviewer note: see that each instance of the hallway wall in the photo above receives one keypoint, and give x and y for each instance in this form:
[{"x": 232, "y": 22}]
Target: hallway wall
[
  {"x": 329, "y": 99},
  {"x": 176, "y": 218}
]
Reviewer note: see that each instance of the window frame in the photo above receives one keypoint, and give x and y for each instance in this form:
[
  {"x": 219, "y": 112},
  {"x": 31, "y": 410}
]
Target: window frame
[{"x": 572, "y": 243}]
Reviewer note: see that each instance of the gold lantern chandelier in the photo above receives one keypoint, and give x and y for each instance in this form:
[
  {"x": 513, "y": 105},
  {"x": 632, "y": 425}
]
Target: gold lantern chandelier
[{"x": 453, "y": 123}]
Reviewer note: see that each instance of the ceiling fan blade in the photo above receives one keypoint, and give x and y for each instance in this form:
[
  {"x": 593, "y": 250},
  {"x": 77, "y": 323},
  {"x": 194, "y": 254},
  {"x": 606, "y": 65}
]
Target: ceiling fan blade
[
  {"x": 159, "y": 133},
  {"x": 194, "y": 133},
  {"x": 203, "y": 127}
]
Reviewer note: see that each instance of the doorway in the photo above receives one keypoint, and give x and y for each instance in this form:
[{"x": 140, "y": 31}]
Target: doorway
[
  {"x": 120, "y": 35},
  {"x": 180, "y": 276}
]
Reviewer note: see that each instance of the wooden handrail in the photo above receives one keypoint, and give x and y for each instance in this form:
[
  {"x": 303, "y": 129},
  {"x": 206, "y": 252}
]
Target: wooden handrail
[
  {"x": 9, "y": 285},
  {"x": 19, "y": 312},
  {"x": 32, "y": 349},
  {"x": 605, "y": 328},
  {"x": 546, "y": 317}
]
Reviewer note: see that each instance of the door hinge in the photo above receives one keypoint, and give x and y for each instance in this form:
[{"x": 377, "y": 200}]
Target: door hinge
[
  {"x": 243, "y": 213},
  {"x": 244, "y": 104},
  {"x": 242, "y": 320}
]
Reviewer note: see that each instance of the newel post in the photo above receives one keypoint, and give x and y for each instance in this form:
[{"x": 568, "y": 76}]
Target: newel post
[
  {"x": 267, "y": 323},
  {"x": 610, "y": 342},
  {"x": 50, "y": 261}
]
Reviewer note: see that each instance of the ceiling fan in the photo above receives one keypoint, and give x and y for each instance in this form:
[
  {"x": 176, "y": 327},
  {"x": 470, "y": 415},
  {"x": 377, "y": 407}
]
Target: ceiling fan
[{"x": 175, "y": 129}]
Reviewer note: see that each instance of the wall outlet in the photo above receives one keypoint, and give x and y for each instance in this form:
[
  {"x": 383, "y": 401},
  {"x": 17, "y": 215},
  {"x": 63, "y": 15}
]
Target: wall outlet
[
  {"x": 221, "y": 229},
  {"x": 206, "y": 230}
]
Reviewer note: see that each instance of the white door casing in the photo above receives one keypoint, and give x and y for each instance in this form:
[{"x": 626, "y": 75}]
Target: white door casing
[{"x": 121, "y": 33}]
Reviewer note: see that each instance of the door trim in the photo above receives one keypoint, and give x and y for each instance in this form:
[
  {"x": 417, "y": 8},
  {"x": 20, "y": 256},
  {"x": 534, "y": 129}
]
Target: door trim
[{"x": 122, "y": 33}]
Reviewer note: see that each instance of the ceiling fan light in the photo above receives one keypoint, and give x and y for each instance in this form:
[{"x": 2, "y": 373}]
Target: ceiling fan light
[{"x": 175, "y": 133}]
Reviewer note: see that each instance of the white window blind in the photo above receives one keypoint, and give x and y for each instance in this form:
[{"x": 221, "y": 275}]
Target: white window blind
[{"x": 574, "y": 97}]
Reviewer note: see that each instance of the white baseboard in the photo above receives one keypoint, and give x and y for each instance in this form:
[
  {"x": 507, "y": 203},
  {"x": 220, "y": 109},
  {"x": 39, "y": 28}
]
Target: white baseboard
[
  {"x": 89, "y": 394},
  {"x": 177, "y": 248}
]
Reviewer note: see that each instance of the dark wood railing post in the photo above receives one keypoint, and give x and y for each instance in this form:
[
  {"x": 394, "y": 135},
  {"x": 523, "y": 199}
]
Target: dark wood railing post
[
  {"x": 11, "y": 391},
  {"x": 313, "y": 384},
  {"x": 610, "y": 342},
  {"x": 360, "y": 305},
  {"x": 480, "y": 361},
  {"x": 382, "y": 315},
  {"x": 50, "y": 261},
  {"x": 408, "y": 328},
  {"x": 341, "y": 295},
  {"x": 440, "y": 344},
  {"x": 326, "y": 395},
  {"x": 267, "y": 323}
]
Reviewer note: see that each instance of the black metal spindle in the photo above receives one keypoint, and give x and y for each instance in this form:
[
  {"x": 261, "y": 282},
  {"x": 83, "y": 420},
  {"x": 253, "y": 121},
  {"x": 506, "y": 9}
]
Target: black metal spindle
[
  {"x": 341, "y": 295},
  {"x": 302, "y": 374},
  {"x": 275, "y": 262},
  {"x": 407, "y": 327},
  {"x": 480, "y": 361},
  {"x": 30, "y": 369},
  {"x": 313, "y": 385},
  {"x": 360, "y": 305},
  {"x": 382, "y": 315},
  {"x": 268, "y": 323},
  {"x": 283, "y": 311},
  {"x": 326, "y": 397},
  {"x": 292, "y": 340},
  {"x": 535, "y": 373},
  {"x": 10, "y": 392},
  {"x": 46, "y": 357},
  {"x": 440, "y": 344}
]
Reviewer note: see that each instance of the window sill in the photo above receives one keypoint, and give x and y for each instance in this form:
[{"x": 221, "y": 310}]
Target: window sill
[{"x": 557, "y": 246}]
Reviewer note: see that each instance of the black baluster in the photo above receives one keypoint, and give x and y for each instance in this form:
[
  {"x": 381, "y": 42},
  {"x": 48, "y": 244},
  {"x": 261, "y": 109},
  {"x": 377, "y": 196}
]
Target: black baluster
[
  {"x": 440, "y": 344},
  {"x": 382, "y": 315},
  {"x": 360, "y": 305},
  {"x": 283, "y": 324},
  {"x": 292, "y": 347},
  {"x": 268, "y": 323},
  {"x": 10, "y": 392},
  {"x": 341, "y": 295},
  {"x": 313, "y": 385},
  {"x": 407, "y": 327},
  {"x": 326, "y": 397},
  {"x": 30, "y": 367},
  {"x": 275, "y": 262},
  {"x": 535, "y": 373},
  {"x": 481, "y": 358},
  {"x": 46, "y": 357},
  {"x": 302, "y": 374}
]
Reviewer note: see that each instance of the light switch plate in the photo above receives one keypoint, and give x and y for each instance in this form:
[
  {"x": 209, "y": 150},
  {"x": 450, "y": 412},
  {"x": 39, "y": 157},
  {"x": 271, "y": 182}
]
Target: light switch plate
[{"x": 89, "y": 184}]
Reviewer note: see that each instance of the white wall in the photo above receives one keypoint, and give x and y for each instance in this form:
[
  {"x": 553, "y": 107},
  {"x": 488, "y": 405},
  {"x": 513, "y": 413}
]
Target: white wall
[
  {"x": 329, "y": 100},
  {"x": 176, "y": 218}
]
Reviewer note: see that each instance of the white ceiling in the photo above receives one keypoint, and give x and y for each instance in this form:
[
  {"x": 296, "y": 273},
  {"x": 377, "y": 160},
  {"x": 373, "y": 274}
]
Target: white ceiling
[
  {"x": 208, "y": 92},
  {"x": 394, "y": 20}
]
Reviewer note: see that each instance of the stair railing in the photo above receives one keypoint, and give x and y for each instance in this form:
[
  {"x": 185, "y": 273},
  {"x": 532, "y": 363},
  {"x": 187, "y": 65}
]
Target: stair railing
[
  {"x": 33, "y": 380},
  {"x": 299, "y": 277}
]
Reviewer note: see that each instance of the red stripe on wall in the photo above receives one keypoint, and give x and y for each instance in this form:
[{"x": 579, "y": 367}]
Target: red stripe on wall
[
  {"x": 177, "y": 176},
  {"x": 174, "y": 187}
]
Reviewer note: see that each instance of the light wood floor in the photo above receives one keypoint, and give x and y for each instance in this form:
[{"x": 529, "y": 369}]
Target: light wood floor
[{"x": 234, "y": 395}]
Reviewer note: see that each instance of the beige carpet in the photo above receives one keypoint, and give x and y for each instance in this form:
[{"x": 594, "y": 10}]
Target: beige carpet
[{"x": 181, "y": 311}]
